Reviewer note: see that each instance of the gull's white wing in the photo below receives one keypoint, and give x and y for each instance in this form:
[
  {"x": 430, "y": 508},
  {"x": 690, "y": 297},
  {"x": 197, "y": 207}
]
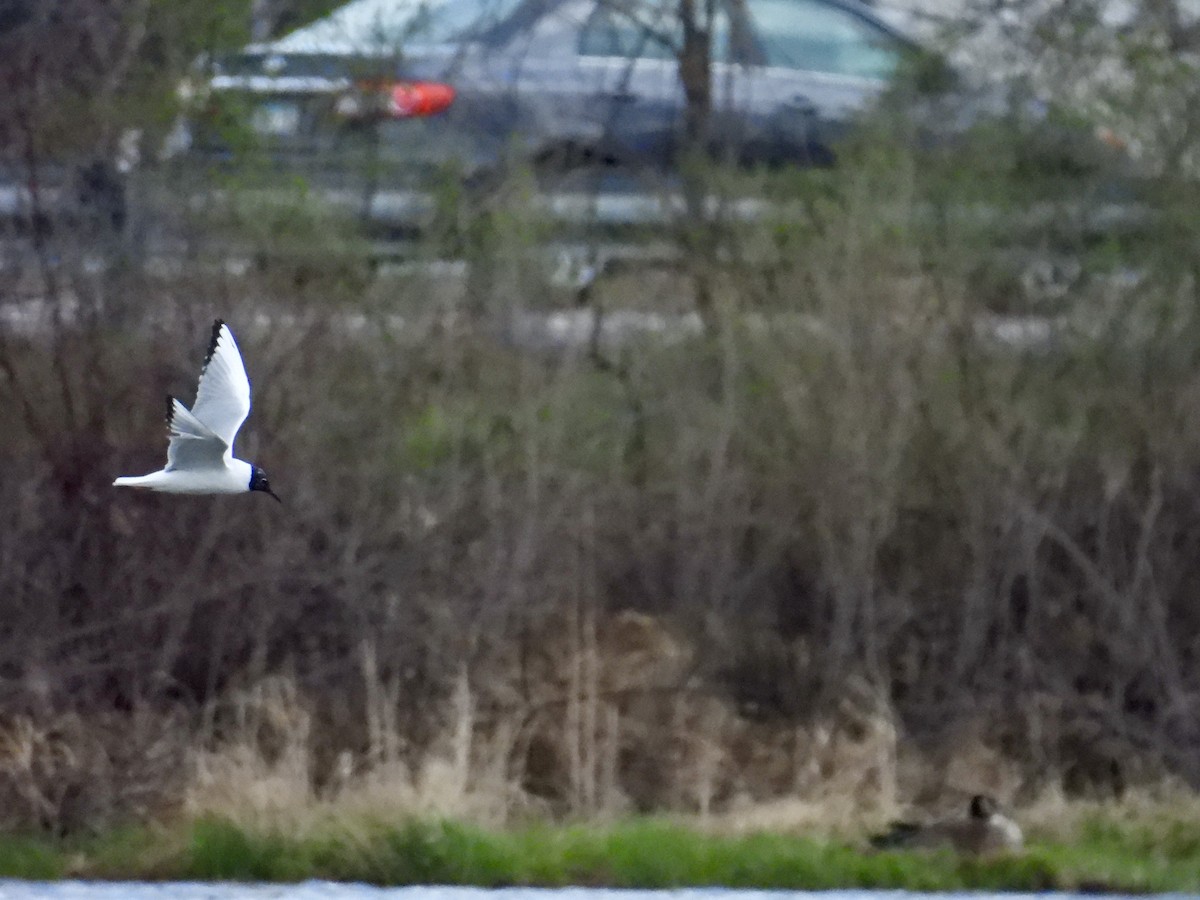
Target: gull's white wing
[
  {"x": 223, "y": 397},
  {"x": 192, "y": 444}
]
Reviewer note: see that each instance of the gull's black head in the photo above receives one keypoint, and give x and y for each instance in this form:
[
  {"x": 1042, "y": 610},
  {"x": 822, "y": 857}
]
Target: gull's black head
[{"x": 258, "y": 482}]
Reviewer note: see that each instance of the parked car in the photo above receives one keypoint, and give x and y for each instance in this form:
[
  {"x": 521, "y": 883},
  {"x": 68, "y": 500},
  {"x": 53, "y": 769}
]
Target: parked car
[{"x": 397, "y": 85}]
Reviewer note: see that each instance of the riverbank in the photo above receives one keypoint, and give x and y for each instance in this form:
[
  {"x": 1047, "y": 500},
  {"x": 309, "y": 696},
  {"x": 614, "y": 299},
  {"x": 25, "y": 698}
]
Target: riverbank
[{"x": 1106, "y": 852}]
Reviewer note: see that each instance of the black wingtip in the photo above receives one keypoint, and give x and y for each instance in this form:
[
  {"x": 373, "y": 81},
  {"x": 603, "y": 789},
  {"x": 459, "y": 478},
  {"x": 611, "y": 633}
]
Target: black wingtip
[
  {"x": 170, "y": 409},
  {"x": 218, "y": 324}
]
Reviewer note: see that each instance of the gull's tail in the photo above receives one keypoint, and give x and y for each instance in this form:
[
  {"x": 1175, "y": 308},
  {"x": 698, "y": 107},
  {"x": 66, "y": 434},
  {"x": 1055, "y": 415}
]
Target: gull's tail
[{"x": 130, "y": 481}]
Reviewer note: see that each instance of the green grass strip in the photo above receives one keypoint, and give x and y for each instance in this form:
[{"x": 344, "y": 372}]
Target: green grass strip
[{"x": 636, "y": 854}]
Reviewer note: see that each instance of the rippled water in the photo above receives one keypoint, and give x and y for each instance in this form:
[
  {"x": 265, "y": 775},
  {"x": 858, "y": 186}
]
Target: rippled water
[{"x": 324, "y": 890}]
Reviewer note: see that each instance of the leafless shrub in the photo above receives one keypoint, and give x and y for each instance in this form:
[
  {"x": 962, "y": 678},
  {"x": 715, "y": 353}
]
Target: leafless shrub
[
  {"x": 841, "y": 542},
  {"x": 74, "y": 772}
]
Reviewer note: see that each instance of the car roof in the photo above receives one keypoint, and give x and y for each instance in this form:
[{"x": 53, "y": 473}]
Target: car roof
[
  {"x": 363, "y": 27},
  {"x": 528, "y": 12},
  {"x": 342, "y": 30}
]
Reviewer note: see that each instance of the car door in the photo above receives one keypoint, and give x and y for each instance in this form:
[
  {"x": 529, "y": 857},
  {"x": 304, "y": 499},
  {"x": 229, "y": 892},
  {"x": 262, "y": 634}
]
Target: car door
[
  {"x": 600, "y": 79},
  {"x": 582, "y": 76},
  {"x": 817, "y": 64},
  {"x": 629, "y": 69}
]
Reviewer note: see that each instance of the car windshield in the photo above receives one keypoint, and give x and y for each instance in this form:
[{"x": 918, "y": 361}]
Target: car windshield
[{"x": 376, "y": 27}]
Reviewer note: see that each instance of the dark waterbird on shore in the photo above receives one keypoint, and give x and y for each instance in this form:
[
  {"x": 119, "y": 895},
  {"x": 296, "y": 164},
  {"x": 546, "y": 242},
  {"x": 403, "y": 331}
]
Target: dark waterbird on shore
[{"x": 984, "y": 831}]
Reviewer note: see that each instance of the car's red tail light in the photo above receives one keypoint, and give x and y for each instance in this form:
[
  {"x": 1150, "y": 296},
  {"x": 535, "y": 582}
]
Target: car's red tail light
[
  {"x": 419, "y": 98},
  {"x": 394, "y": 100}
]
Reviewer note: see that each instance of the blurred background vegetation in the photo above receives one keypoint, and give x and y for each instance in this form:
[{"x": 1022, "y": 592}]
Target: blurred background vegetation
[{"x": 896, "y": 503}]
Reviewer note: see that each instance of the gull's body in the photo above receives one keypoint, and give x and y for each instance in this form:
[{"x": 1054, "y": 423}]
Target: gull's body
[
  {"x": 200, "y": 451},
  {"x": 234, "y": 478}
]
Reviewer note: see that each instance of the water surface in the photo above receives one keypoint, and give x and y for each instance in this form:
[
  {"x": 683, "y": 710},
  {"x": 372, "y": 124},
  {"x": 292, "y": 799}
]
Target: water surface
[{"x": 325, "y": 890}]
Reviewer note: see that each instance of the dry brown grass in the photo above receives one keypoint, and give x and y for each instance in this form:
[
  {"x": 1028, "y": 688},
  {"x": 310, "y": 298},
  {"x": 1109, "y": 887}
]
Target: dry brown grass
[
  {"x": 610, "y": 740},
  {"x": 1054, "y": 816},
  {"x": 612, "y": 723},
  {"x": 847, "y": 778},
  {"x": 68, "y": 772},
  {"x": 266, "y": 771}
]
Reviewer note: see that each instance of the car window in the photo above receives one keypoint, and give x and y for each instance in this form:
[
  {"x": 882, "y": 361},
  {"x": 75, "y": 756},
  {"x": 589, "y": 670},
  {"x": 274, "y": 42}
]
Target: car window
[
  {"x": 651, "y": 31},
  {"x": 816, "y": 36},
  {"x": 447, "y": 21}
]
